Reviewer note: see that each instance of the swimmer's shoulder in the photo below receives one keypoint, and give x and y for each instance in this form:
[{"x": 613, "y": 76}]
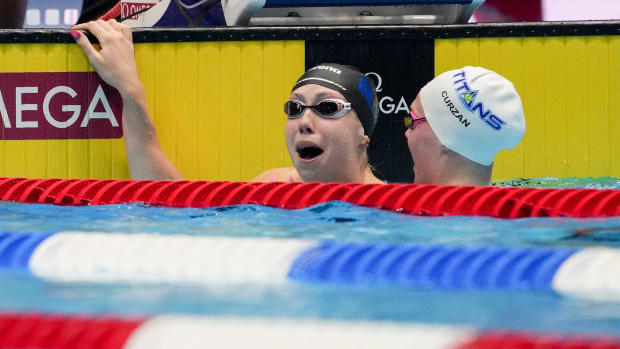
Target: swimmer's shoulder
[
  {"x": 374, "y": 180},
  {"x": 370, "y": 178},
  {"x": 282, "y": 174}
]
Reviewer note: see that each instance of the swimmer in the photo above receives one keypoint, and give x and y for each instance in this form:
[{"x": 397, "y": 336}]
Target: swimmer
[
  {"x": 459, "y": 122},
  {"x": 331, "y": 114}
]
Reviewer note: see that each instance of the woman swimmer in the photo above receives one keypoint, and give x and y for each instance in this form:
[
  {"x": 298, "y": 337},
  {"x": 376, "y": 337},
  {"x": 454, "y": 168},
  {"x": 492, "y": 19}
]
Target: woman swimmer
[{"x": 331, "y": 113}]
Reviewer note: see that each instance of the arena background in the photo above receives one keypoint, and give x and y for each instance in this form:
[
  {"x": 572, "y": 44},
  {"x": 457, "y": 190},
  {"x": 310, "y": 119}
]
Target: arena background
[{"x": 216, "y": 95}]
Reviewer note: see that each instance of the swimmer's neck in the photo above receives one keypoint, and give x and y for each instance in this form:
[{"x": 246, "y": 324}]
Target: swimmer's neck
[
  {"x": 364, "y": 176},
  {"x": 462, "y": 181},
  {"x": 454, "y": 169}
]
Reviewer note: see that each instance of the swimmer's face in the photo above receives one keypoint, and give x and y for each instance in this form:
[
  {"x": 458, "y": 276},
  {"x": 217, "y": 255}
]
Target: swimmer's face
[
  {"x": 325, "y": 150},
  {"x": 424, "y": 146}
]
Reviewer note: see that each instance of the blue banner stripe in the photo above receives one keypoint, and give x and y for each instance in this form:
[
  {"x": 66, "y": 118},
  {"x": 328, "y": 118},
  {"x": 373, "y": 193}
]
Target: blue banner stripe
[{"x": 446, "y": 267}]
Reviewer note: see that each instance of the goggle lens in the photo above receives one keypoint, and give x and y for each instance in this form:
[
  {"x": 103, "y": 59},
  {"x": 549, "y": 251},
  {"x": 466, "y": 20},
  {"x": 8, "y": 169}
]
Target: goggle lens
[
  {"x": 413, "y": 121},
  {"x": 327, "y": 108},
  {"x": 408, "y": 120},
  {"x": 293, "y": 109}
]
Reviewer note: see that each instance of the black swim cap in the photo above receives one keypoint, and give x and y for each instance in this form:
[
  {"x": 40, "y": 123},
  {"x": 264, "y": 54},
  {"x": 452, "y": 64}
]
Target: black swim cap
[{"x": 356, "y": 87}]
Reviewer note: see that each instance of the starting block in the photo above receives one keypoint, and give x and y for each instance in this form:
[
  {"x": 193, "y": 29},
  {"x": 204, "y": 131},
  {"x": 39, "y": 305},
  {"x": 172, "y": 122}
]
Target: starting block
[
  {"x": 347, "y": 12},
  {"x": 200, "y": 13}
]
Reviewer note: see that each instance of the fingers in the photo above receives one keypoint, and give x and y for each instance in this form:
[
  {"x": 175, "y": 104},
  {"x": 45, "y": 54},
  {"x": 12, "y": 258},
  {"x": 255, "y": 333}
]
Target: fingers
[
  {"x": 114, "y": 62},
  {"x": 104, "y": 29},
  {"x": 126, "y": 30},
  {"x": 94, "y": 27},
  {"x": 85, "y": 45},
  {"x": 81, "y": 26}
]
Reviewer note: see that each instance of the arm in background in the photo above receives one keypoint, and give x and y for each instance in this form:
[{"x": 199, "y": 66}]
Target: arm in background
[
  {"x": 12, "y": 13},
  {"x": 116, "y": 64}
]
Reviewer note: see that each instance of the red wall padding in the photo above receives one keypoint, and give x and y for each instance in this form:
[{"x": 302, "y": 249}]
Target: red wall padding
[
  {"x": 423, "y": 200},
  {"x": 64, "y": 332}
]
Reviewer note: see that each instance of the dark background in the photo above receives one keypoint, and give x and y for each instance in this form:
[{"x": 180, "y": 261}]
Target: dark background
[{"x": 405, "y": 66}]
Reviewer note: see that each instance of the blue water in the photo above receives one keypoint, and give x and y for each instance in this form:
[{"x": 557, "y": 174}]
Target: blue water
[
  {"x": 330, "y": 221},
  {"x": 566, "y": 182},
  {"x": 532, "y": 310}
]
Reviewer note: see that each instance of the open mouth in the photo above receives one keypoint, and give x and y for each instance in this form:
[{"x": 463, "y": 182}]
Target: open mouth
[{"x": 309, "y": 152}]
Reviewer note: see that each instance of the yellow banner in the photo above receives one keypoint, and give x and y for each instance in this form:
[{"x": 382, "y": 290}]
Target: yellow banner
[{"x": 570, "y": 89}]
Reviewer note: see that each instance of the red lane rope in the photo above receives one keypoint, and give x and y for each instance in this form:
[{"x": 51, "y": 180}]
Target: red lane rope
[
  {"x": 494, "y": 340},
  {"x": 424, "y": 200},
  {"x": 58, "y": 331},
  {"x": 43, "y": 331}
]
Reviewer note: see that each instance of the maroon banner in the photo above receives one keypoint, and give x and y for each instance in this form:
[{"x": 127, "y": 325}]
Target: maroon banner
[{"x": 58, "y": 106}]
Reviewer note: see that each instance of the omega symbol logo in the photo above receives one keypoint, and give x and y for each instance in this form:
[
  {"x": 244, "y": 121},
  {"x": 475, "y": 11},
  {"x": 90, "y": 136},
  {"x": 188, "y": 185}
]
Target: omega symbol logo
[{"x": 378, "y": 80}]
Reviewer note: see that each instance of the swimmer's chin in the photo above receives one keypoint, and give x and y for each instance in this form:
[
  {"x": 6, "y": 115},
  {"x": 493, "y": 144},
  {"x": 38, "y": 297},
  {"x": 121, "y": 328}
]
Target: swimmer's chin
[{"x": 312, "y": 170}]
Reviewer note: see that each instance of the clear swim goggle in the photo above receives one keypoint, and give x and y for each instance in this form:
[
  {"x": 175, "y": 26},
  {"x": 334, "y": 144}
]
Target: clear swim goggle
[{"x": 330, "y": 108}]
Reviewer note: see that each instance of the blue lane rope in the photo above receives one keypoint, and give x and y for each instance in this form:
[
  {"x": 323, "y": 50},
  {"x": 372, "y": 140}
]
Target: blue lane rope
[
  {"x": 443, "y": 267},
  {"x": 446, "y": 267},
  {"x": 17, "y": 248}
]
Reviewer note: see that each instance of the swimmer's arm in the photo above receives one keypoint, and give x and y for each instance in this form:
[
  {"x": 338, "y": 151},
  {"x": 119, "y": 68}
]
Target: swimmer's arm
[
  {"x": 284, "y": 174},
  {"x": 115, "y": 63},
  {"x": 145, "y": 156}
]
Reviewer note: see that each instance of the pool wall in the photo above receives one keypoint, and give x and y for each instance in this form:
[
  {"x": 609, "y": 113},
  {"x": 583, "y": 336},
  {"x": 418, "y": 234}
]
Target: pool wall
[{"x": 216, "y": 95}]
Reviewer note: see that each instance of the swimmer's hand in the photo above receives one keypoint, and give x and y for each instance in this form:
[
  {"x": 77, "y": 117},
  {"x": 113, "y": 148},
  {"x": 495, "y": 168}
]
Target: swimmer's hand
[{"x": 115, "y": 62}]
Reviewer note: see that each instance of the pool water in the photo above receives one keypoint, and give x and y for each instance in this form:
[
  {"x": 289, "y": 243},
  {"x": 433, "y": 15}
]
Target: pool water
[
  {"x": 337, "y": 221},
  {"x": 567, "y": 182},
  {"x": 532, "y": 310}
]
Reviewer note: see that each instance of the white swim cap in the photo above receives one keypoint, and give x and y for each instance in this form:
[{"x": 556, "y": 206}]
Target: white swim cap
[{"x": 474, "y": 112}]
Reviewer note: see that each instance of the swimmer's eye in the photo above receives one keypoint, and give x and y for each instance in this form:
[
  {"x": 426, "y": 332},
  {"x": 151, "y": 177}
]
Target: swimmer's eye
[
  {"x": 294, "y": 109},
  {"x": 327, "y": 108}
]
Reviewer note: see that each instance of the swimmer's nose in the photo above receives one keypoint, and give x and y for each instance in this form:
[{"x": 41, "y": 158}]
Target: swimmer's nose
[
  {"x": 407, "y": 131},
  {"x": 305, "y": 122},
  {"x": 305, "y": 129}
]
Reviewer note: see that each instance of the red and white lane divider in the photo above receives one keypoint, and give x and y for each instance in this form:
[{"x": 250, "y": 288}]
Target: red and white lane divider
[{"x": 45, "y": 331}]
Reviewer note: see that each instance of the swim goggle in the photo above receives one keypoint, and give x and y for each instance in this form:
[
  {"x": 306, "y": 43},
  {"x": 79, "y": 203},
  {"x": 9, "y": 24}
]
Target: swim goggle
[
  {"x": 327, "y": 108},
  {"x": 413, "y": 121}
]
